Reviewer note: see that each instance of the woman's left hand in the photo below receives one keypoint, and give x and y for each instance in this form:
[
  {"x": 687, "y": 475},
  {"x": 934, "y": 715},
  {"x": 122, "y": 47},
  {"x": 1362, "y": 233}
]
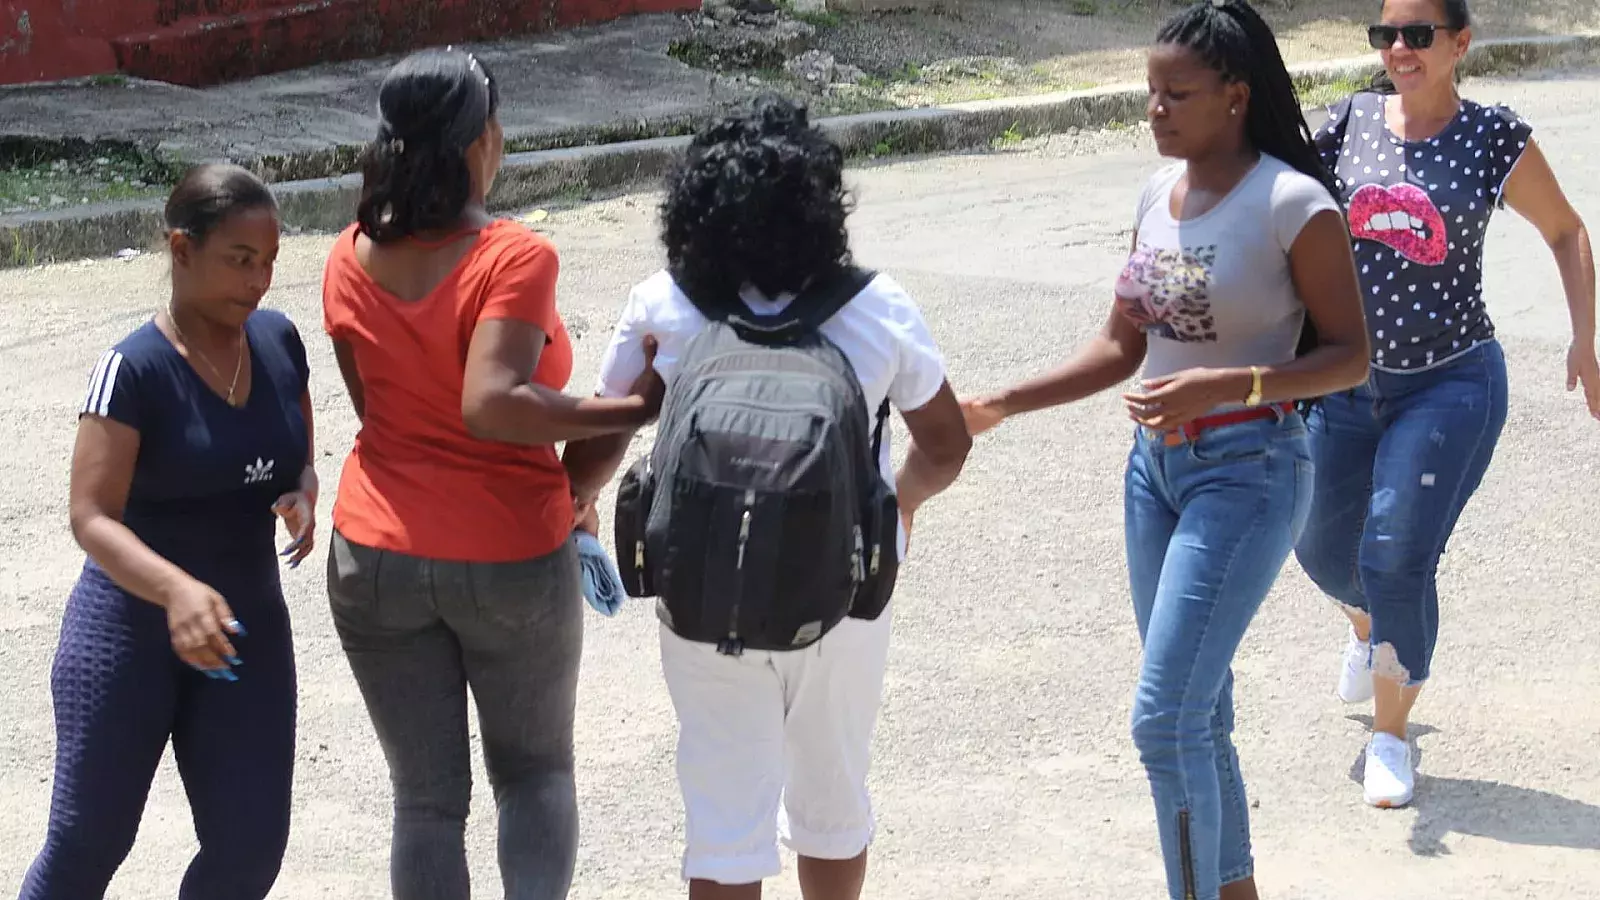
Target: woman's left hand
[
  {"x": 1177, "y": 399},
  {"x": 299, "y": 514},
  {"x": 1582, "y": 368}
]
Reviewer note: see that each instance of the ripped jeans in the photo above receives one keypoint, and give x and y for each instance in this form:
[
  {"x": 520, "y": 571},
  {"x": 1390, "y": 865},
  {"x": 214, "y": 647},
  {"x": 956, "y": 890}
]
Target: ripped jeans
[
  {"x": 1210, "y": 523},
  {"x": 1396, "y": 461}
]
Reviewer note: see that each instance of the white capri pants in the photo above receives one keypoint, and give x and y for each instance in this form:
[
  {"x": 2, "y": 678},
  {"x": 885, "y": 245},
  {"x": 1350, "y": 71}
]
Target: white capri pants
[{"x": 776, "y": 744}]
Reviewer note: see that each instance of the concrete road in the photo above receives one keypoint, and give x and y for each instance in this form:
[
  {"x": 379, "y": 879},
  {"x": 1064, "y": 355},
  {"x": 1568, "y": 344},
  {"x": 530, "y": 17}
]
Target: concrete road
[{"x": 1004, "y": 768}]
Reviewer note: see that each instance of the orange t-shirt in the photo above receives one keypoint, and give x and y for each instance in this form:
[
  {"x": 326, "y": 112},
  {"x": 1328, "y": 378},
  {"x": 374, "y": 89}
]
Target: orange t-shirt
[{"x": 416, "y": 481}]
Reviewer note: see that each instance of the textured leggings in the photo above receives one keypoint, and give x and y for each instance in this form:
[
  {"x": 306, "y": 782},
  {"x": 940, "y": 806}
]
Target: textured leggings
[{"x": 120, "y": 694}]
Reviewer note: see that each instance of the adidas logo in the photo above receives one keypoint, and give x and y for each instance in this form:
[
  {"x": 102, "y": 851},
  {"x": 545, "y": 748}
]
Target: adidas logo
[{"x": 258, "y": 472}]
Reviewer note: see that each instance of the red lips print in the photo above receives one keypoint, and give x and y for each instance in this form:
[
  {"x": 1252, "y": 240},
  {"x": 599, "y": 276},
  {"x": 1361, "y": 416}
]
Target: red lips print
[{"x": 1402, "y": 217}]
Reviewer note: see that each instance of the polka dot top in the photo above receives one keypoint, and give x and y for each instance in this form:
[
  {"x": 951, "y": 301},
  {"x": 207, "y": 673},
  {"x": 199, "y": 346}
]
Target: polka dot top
[{"x": 1418, "y": 213}]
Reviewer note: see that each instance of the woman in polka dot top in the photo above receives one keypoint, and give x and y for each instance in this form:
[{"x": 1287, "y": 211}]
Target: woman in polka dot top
[{"x": 1421, "y": 170}]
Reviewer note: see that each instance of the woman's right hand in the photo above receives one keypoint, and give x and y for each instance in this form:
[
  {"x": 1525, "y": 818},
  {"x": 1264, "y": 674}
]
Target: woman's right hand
[{"x": 200, "y": 622}]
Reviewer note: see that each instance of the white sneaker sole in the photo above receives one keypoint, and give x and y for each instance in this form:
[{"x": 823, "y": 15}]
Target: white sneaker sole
[{"x": 1389, "y": 802}]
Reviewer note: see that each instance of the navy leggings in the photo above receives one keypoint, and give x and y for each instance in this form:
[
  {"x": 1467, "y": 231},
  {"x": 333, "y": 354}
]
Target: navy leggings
[{"x": 120, "y": 694}]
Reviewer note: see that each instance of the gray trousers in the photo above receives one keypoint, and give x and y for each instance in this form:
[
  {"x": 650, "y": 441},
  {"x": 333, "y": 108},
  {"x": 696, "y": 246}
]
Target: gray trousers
[{"x": 418, "y": 633}]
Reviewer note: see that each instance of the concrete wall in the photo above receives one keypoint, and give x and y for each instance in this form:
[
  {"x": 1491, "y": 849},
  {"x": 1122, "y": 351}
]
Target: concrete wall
[{"x": 206, "y": 41}]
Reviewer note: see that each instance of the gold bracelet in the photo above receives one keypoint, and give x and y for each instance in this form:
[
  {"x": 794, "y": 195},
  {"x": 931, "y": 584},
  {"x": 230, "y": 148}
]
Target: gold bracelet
[{"x": 1254, "y": 399}]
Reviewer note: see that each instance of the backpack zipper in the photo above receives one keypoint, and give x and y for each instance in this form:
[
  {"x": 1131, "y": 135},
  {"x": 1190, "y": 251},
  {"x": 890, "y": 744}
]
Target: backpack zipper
[
  {"x": 732, "y": 645},
  {"x": 744, "y": 526},
  {"x": 638, "y": 545}
]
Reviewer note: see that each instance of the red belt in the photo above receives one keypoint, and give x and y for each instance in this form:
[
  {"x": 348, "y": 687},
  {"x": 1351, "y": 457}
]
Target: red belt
[{"x": 1191, "y": 430}]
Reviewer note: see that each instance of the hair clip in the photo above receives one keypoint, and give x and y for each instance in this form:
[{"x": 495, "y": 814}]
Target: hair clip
[
  {"x": 1219, "y": 4},
  {"x": 397, "y": 146}
]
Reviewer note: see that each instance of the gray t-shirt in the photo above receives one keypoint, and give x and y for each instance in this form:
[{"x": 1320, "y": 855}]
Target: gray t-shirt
[{"x": 1216, "y": 290}]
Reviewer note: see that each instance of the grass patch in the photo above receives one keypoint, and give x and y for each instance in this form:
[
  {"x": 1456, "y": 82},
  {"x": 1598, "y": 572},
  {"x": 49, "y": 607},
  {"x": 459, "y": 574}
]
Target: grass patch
[
  {"x": 1322, "y": 93},
  {"x": 40, "y": 174},
  {"x": 822, "y": 18},
  {"x": 1009, "y": 138}
]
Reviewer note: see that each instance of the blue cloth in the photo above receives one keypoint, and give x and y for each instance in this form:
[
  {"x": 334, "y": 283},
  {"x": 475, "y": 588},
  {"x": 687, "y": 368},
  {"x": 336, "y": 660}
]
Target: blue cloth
[
  {"x": 602, "y": 585},
  {"x": 1210, "y": 523},
  {"x": 1396, "y": 460}
]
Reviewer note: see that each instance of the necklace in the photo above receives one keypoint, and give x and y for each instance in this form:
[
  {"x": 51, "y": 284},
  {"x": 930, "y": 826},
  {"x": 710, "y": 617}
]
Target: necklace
[{"x": 238, "y": 365}]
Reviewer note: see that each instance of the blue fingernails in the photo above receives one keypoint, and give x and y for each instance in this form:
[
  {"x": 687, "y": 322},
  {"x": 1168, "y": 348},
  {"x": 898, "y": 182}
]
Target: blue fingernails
[
  {"x": 237, "y": 627},
  {"x": 229, "y": 676},
  {"x": 211, "y": 674},
  {"x": 234, "y": 660}
]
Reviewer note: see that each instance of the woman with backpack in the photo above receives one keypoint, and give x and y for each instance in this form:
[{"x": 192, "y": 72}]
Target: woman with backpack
[
  {"x": 452, "y": 563},
  {"x": 1240, "y": 298},
  {"x": 772, "y": 346},
  {"x": 1421, "y": 171}
]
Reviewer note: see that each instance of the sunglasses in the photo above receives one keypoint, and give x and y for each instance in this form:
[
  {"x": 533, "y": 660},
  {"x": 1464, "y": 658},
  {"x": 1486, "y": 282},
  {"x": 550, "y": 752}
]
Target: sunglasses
[{"x": 1417, "y": 37}]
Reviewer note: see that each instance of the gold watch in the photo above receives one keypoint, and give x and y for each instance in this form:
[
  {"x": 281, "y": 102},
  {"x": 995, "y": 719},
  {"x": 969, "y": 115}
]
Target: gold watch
[{"x": 1254, "y": 399}]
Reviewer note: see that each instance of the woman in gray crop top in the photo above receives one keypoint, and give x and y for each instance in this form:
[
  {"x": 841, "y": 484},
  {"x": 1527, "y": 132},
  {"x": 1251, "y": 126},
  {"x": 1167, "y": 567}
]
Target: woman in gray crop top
[
  {"x": 1239, "y": 247},
  {"x": 1421, "y": 170}
]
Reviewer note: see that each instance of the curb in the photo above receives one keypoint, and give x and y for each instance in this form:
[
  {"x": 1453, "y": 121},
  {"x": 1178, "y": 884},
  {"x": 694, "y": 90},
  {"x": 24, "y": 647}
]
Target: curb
[{"x": 328, "y": 204}]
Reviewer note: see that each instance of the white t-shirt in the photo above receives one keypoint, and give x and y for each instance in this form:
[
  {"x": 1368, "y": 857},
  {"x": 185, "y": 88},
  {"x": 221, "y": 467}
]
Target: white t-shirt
[
  {"x": 1216, "y": 289},
  {"x": 881, "y": 332}
]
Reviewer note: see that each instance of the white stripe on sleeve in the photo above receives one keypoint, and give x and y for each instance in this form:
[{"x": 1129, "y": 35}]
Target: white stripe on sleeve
[
  {"x": 110, "y": 385},
  {"x": 96, "y": 382}
]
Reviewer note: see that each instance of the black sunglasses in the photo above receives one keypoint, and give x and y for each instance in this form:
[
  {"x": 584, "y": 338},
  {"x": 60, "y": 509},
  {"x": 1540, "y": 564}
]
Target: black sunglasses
[{"x": 1417, "y": 37}]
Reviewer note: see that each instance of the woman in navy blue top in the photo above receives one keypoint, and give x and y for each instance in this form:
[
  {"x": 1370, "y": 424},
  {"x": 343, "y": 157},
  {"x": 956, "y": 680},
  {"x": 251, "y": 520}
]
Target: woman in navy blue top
[{"x": 194, "y": 435}]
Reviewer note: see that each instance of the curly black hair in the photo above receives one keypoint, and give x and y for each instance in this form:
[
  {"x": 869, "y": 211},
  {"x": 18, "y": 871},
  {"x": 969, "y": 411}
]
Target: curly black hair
[{"x": 759, "y": 200}]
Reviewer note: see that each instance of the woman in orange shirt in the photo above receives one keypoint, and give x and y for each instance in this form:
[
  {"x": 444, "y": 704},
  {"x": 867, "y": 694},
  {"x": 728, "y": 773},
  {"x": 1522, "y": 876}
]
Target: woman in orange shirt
[{"x": 451, "y": 561}]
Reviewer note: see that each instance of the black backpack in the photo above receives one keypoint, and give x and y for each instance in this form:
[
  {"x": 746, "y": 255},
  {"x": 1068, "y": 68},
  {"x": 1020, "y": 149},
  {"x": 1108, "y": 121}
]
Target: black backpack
[{"x": 759, "y": 519}]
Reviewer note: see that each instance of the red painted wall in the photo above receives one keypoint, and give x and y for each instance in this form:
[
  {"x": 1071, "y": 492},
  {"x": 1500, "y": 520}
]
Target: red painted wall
[{"x": 45, "y": 40}]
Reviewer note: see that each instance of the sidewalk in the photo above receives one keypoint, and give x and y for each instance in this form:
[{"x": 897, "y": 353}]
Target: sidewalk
[{"x": 589, "y": 85}]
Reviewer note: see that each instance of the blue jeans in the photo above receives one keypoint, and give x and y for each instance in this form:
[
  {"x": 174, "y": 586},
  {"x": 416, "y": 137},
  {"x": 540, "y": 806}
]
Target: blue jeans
[
  {"x": 1210, "y": 523},
  {"x": 1396, "y": 461}
]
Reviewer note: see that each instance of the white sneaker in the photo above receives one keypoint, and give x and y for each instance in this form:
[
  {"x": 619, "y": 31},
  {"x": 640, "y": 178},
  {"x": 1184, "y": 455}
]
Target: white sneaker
[
  {"x": 1355, "y": 679},
  {"x": 1390, "y": 780}
]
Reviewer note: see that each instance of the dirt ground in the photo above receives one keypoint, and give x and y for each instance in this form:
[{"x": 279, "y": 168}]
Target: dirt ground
[
  {"x": 1003, "y": 767},
  {"x": 981, "y": 49}
]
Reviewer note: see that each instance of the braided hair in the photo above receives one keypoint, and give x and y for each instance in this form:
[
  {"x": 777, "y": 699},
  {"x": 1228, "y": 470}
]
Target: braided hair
[{"x": 1233, "y": 39}]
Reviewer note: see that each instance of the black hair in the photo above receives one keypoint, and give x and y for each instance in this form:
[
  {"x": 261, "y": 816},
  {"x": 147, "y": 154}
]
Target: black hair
[
  {"x": 1456, "y": 17},
  {"x": 414, "y": 178},
  {"x": 208, "y": 194},
  {"x": 759, "y": 200},
  {"x": 1233, "y": 39}
]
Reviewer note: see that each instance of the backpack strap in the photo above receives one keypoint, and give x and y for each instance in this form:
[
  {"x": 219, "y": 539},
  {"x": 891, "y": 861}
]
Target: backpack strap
[
  {"x": 820, "y": 301},
  {"x": 877, "y": 431}
]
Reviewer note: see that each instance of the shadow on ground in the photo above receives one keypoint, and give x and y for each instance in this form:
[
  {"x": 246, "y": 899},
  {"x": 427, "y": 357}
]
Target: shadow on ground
[{"x": 1488, "y": 809}]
